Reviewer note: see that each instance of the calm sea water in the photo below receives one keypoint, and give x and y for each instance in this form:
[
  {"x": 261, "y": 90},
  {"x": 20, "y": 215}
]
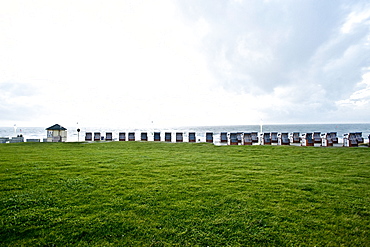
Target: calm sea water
[{"x": 40, "y": 132}]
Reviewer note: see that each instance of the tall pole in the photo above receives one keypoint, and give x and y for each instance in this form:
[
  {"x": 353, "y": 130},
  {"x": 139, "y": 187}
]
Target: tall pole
[
  {"x": 261, "y": 132},
  {"x": 78, "y": 133}
]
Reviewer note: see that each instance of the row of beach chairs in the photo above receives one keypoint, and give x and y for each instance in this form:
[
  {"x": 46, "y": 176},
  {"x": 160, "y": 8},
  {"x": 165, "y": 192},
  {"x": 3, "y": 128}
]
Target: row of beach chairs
[
  {"x": 242, "y": 138},
  {"x": 144, "y": 136}
]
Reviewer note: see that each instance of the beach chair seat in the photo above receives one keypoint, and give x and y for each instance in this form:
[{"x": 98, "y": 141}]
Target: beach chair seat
[
  {"x": 316, "y": 137},
  {"x": 247, "y": 139},
  {"x": 254, "y": 136},
  {"x": 167, "y": 137},
  {"x": 274, "y": 137},
  {"x": 223, "y": 137},
  {"x": 284, "y": 139},
  {"x": 157, "y": 136},
  {"x": 97, "y": 136},
  {"x": 192, "y": 137},
  {"x": 352, "y": 140},
  {"x": 266, "y": 139},
  {"x": 179, "y": 137},
  {"x": 144, "y": 136},
  {"x": 334, "y": 138},
  {"x": 122, "y": 136},
  {"x": 209, "y": 137},
  {"x": 307, "y": 139},
  {"x": 233, "y": 139},
  {"x": 295, "y": 137},
  {"x": 131, "y": 136},
  {"x": 88, "y": 136},
  {"x": 239, "y": 137},
  {"x": 108, "y": 136},
  {"x": 359, "y": 137},
  {"x": 326, "y": 140}
]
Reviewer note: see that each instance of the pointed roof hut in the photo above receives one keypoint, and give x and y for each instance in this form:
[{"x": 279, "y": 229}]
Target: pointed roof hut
[{"x": 56, "y": 133}]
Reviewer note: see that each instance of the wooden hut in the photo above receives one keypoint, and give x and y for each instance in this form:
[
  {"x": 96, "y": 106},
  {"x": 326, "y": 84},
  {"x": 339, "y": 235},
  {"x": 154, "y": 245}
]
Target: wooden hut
[{"x": 56, "y": 133}]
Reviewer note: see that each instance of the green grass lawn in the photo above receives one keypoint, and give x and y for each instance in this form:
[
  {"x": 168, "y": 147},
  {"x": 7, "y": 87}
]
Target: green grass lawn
[{"x": 183, "y": 194}]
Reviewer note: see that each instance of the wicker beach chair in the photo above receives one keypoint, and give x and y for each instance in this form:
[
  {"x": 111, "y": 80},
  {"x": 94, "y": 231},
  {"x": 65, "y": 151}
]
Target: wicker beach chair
[
  {"x": 247, "y": 139},
  {"x": 284, "y": 139},
  {"x": 233, "y": 139},
  {"x": 223, "y": 137}
]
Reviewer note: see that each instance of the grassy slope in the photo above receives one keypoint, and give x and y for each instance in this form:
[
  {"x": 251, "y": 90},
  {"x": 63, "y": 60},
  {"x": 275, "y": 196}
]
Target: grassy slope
[{"x": 161, "y": 194}]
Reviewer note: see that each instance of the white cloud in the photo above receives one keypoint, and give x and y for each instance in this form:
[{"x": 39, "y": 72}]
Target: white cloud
[
  {"x": 359, "y": 98},
  {"x": 355, "y": 18},
  {"x": 129, "y": 63}
]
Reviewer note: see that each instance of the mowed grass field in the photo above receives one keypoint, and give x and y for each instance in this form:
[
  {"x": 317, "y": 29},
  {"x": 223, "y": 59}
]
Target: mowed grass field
[{"x": 183, "y": 194}]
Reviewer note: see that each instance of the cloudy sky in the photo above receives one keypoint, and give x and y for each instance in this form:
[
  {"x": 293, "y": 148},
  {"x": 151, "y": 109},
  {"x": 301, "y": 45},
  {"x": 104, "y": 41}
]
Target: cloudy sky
[{"x": 186, "y": 62}]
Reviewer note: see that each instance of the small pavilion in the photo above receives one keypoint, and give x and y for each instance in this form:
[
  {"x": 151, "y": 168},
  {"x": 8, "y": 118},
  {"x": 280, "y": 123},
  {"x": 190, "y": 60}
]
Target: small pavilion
[{"x": 56, "y": 133}]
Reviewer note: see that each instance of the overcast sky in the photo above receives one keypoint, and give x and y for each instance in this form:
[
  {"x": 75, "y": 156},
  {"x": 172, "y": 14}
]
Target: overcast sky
[{"x": 187, "y": 62}]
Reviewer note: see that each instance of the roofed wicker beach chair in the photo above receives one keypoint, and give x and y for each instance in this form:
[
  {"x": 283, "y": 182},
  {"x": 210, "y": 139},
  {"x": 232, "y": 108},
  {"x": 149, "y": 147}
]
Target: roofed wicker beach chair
[
  {"x": 97, "y": 136},
  {"x": 239, "y": 136},
  {"x": 192, "y": 137},
  {"x": 179, "y": 137},
  {"x": 233, "y": 139},
  {"x": 247, "y": 139},
  {"x": 209, "y": 137},
  {"x": 131, "y": 136},
  {"x": 295, "y": 138},
  {"x": 122, "y": 136},
  {"x": 223, "y": 137},
  {"x": 307, "y": 139},
  {"x": 359, "y": 137},
  {"x": 167, "y": 137},
  {"x": 144, "y": 136},
  {"x": 157, "y": 136},
  {"x": 350, "y": 140},
  {"x": 266, "y": 138},
  {"x": 108, "y": 136},
  {"x": 88, "y": 136},
  {"x": 254, "y": 136},
  {"x": 274, "y": 137},
  {"x": 284, "y": 139},
  {"x": 316, "y": 137},
  {"x": 334, "y": 138},
  {"x": 326, "y": 140}
]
